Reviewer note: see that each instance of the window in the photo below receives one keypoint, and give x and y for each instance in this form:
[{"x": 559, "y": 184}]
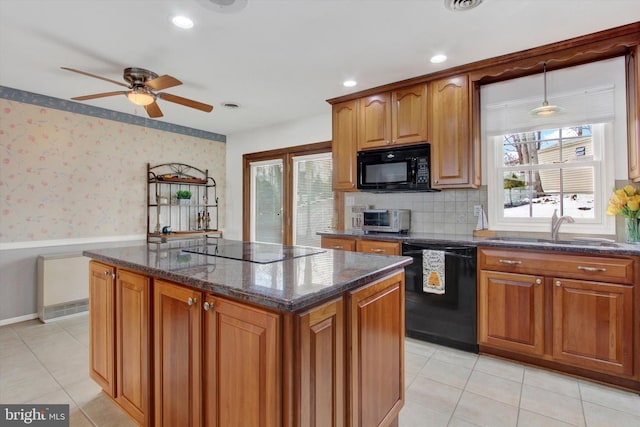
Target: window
[
  {"x": 287, "y": 195},
  {"x": 562, "y": 162}
]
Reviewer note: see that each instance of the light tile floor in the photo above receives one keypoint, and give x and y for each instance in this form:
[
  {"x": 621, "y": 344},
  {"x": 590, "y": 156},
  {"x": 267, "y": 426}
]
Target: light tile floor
[{"x": 48, "y": 363}]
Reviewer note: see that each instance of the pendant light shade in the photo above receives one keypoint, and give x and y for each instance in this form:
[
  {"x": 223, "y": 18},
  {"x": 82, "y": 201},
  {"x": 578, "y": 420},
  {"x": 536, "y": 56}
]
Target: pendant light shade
[{"x": 545, "y": 109}]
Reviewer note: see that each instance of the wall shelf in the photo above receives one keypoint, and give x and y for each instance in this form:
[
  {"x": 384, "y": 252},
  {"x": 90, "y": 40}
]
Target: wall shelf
[{"x": 169, "y": 218}]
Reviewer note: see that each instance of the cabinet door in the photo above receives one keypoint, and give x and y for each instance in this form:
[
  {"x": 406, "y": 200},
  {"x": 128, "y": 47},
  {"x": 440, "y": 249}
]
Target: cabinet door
[
  {"x": 133, "y": 345},
  {"x": 633, "y": 112},
  {"x": 343, "y": 244},
  {"x": 376, "y": 328},
  {"x": 178, "y": 360},
  {"x": 409, "y": 115},
  {"x": 374, "y": 130},
  {"x": 101, "y": 325},
  {"x": 450, "y": 134},
  {"x": 344, "y": 145},
  {"x": 322, "y": 370},
  {"x": 511, "y": 311},
  {"x": 378, "y": 247},
  {"x": 242, "y": 365},
  {"x": 593, "y": 325}
]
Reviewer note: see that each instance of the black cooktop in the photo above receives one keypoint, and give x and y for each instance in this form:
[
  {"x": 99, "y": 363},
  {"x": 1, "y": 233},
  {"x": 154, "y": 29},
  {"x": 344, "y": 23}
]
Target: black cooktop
[{"x": 262, "y": 253}]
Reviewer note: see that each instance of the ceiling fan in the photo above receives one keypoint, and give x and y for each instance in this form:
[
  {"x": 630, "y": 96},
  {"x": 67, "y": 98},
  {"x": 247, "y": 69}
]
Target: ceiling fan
[{"x": 142, "y": 88}]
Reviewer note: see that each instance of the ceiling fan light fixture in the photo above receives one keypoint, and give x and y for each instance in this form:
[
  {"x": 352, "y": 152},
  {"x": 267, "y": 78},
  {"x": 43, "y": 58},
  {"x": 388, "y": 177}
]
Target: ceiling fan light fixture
[
  {"x": 546, "y": 109},
  {"x": 139, "y": 96}
]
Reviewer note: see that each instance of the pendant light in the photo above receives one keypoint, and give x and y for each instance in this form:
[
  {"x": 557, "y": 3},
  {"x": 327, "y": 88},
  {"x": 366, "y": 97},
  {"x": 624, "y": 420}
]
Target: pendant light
[{"x": 545, "y": 109}]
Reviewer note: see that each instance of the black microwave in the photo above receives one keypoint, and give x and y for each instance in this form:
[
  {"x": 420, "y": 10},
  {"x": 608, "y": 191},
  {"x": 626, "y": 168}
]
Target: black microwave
[{"x": 395, "y": 169}]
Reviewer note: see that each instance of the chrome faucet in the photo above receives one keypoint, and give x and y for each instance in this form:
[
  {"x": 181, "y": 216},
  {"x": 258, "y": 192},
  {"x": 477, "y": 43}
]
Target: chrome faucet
[{"x": 556, "y": 222}]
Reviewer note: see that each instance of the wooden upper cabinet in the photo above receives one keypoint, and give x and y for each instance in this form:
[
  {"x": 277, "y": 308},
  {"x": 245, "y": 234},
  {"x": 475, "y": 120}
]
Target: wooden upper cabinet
[
  {"x": 633, "y": 112},
  {"x": 393, "y": 118},
  {"x": 101, "y": 325},
  {"x": 374, "y": 125},
  {"x": 409, "y": 115},
  {"x": 593, "y": 325},
  {"x": 344, "y": 149},
  {"x": 450, "y": 133}
]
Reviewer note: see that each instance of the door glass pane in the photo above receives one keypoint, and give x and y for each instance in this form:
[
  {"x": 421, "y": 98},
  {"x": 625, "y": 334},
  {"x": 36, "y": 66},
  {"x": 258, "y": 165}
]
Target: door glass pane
[
  {"x": 266, "y": 201},
  {"x": 313, "y": 198}
]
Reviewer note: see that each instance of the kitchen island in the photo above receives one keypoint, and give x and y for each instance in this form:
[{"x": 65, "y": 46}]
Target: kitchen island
[{"x": 218, "y": 332}]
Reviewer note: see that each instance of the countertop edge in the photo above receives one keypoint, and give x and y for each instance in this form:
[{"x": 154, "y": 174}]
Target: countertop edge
[
  {"x": 297, "y": 305},
  {"x": 621, "y": 249}
]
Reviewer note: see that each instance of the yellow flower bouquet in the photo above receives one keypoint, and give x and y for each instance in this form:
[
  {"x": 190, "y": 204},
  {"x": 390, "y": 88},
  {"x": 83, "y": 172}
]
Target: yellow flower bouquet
[{"x": 626, "y": 202}]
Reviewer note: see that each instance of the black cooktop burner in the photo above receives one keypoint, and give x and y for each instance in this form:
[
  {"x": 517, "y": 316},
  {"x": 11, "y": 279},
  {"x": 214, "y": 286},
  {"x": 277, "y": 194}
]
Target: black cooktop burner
[{"x": 262, "y": 253}]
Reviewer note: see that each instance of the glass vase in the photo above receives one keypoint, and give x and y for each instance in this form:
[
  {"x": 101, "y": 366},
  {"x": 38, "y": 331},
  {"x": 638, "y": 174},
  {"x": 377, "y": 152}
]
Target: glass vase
[{"x": 632, "y": 230}]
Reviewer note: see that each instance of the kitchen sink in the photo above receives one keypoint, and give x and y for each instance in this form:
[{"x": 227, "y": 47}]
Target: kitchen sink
[{"x": 574, "y": 242}]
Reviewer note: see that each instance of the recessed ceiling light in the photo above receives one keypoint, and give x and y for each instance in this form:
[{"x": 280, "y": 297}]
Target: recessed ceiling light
[
  {"x": 349, "y": 83},
  {"x": 437, "y": 59},
  {"x": 182, "y": 22}
]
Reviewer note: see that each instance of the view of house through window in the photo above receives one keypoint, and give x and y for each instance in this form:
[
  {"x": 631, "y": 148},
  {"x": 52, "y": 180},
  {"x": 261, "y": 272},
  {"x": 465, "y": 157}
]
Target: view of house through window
[{"x": 547, "y": 170}]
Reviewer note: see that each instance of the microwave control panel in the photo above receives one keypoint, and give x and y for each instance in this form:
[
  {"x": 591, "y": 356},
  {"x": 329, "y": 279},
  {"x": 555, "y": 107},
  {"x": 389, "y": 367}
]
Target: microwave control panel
[{"x": 423, "y": 171}]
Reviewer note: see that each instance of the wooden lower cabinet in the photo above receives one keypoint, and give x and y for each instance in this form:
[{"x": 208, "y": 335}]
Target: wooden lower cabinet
[
  {"x": 101, "y": 325},
  {"x": 378, "y": 247},
  {"x": 133, "y": 345},
  {"x": 170, "y": 355},
  {"x": 376, "y": 315},
  {"x": 593, "y": 325},
  {"x": 579, "y": 317},
  {"x": 241, "y": 370},
  {"x": 511, "y": 311},
  {"x": 178, "y": 355},
  {"x": 321, "y": 365}
]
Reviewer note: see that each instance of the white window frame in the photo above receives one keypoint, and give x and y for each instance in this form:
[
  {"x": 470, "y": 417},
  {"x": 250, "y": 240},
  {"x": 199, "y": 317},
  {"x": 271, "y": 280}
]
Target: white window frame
[{"x": 604, "y": 181}]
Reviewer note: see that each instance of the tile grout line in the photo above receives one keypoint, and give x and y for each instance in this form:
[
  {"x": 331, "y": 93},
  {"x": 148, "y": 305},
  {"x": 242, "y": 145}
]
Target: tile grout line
[{"x": 53, "y": 376}]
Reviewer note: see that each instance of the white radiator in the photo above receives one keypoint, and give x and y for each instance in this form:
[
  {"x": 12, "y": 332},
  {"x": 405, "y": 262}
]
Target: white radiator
[{"x": 63, "y": 285}]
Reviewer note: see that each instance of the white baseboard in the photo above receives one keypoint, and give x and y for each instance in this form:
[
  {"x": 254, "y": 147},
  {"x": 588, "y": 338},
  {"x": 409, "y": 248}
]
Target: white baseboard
[{"x": 18, "y": 319}]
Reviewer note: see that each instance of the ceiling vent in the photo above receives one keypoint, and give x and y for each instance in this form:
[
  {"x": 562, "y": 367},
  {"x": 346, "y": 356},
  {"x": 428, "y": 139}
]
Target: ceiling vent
[
  {"x": 224, "y": 6},
  {"x": 461, "y": 5}
]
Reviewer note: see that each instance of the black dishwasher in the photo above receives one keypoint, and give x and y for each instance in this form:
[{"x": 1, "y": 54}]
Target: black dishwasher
[{"x": 450, "y": 318}]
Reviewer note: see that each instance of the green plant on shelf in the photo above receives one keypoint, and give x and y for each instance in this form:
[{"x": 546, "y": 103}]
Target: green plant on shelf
[{"x": 183, "y": 195}]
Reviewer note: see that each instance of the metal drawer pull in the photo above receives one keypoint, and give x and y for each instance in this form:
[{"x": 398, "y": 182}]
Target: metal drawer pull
[
  {"x": 510, "y": 262},
  {"x": 377, "y": 250},
  {"x": 580, "y": 267},
  {"x": 192, "y": 301},
  {"x": 337, "y": 247},
  {"x": 558, "y": 283},
  {"x": 538, "y": 281},
  {"x": 207, "y": 306}
]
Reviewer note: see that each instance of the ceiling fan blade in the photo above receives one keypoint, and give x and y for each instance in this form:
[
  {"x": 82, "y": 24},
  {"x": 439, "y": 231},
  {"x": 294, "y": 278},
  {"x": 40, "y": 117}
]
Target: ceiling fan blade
[
  {"x": 153, "y": 110},
  {"x": 100, "y": 95},
  {"x": 186, "y": 102},
  {"x": 163, "y": 82},
  {"x": 94, "y": 76}
]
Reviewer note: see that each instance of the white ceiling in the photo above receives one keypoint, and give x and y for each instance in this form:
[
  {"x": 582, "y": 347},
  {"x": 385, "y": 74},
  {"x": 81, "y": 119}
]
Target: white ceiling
[{"x": 279, "y": 59}]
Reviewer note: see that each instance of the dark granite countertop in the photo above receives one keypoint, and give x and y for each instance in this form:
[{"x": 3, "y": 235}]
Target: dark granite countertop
[
  {"x": 584, "y": 246},
  {"x": 289, "y": 285}
]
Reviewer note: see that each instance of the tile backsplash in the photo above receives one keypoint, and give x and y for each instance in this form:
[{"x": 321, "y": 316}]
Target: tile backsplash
[{"x": 449, "y": 212}]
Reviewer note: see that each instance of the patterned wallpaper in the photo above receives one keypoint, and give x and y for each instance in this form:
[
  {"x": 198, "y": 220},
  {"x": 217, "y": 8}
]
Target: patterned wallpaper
[{"x": 65, "y": 175}]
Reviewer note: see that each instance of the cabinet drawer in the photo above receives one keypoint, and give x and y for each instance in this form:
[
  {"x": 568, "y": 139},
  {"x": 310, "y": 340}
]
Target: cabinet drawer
[
  {"x": 340, "y": 243},
  {"x": 605, "y": 269},
  {"x": 378, "y": 247}
]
